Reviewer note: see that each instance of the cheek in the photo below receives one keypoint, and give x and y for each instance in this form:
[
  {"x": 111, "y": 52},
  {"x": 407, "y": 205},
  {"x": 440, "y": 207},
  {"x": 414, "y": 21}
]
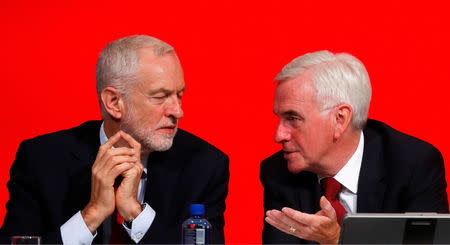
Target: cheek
[
  {"x": 153, "y": 118},
  {"x": 299, "y": 139},
  {"x": 308, "y": 140},
  {"x": 327, "y": 131},
  {"x": 146, "y": 111}
]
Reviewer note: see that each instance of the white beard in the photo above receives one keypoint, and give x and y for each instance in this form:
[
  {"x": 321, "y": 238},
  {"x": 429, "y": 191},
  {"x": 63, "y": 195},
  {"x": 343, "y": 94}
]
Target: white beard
[{"x": 150, "y": 140}]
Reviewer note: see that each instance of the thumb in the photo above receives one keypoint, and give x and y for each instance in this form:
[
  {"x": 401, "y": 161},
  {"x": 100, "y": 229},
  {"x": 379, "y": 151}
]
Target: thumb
[{"x": 327, "y": 209}]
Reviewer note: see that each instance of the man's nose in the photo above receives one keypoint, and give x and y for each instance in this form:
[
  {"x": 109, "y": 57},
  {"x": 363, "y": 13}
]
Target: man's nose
[
  {"x": 174, "y": 108},
  {"x": 282, "y": 134}
]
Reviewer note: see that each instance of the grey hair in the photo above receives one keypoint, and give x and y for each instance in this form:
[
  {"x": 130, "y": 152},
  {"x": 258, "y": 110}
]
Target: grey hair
[
  {"x": 338, "y": 78},
  {"x": 118, "y": 61}
]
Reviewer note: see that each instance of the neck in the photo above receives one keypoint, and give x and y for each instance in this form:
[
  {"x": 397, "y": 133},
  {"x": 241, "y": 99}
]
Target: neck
[{"x": 111, "y": 127}]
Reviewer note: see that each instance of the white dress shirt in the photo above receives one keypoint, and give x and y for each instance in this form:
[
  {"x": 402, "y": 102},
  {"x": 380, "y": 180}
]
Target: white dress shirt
[
  {"x": 75, "y": 230},
  {"x": 348, "y": 176}
]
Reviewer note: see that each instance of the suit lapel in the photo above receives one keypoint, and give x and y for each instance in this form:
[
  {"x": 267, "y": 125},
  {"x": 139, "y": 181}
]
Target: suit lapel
[
  {"x": 87, "y": 142},
  {"x": 371, "y": 184},
  {"x": 83, "y": 152}
]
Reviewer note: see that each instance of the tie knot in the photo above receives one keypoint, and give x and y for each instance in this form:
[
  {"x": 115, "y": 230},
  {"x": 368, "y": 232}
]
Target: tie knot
[{"x": 332, "y": 187}]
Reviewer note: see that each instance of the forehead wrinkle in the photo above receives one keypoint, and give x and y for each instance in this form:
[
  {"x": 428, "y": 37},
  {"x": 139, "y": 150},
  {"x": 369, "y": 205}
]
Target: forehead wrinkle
[
  {"x": 294, "y": 95},
  {"x": 159, "y": 71},
  {"x": 152, "y": 65},
  {"x": 152, "y": 74},
  {"x": 161, "y": 90}
]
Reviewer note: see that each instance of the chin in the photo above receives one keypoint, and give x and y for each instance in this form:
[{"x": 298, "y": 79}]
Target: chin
[
  {"x": 160, "y": 143},
  {"x": 294, "y": 167}
]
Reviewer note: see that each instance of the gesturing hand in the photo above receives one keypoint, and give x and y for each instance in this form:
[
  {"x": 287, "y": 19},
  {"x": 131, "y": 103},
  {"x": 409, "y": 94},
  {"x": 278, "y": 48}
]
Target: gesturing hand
[
  {"x": 321, "y": 227},
  {"x": 126, "y": 194},
  {"x": 110, "y": 163}
]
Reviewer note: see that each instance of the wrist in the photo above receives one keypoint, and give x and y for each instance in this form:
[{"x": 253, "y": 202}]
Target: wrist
[
  {"x": 129, "y": 223},
  {"x": 92, "y": 218},
  {"x": 134, "y": 210}
]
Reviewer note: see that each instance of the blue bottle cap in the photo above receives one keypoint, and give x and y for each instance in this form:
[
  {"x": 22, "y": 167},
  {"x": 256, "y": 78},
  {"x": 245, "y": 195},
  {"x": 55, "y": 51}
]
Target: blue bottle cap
[{"x": 197, "y": 209}]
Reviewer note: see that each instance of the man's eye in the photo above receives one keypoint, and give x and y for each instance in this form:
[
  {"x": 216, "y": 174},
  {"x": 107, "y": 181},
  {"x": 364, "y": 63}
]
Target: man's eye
[
  {"x": 160, "y": 97},
  {"x": 293, "y": 118}
]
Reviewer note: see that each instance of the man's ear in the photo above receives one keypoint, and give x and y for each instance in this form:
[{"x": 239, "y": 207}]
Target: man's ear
[
  {"x": 113, "y": 102},
  {"x": 343, "y": 117}
]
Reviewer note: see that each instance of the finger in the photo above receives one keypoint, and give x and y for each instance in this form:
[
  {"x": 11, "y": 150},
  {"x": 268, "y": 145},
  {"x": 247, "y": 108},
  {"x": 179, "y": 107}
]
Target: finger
[
  {"x": 274, "y": 214},
  {"x": 131, "y": 141},
  {"x": 281, "y": 217},
  {"x": 300, "y": 217},
  {"x": 110, "y": 142},
  {"x": 277, "y": 224},
  {"x": 114, "y": 156},
  {"x": 115, "y": 160},
  {"x": 120, "y": 168},
  {"x": 122, "y": 151},
  {"x": 102, "y": 163},
  {"x": 288, "y": 229},
  {"x": 283, "y": 221},
  {"x": 328, "y": 210},
  {"x": 135, "y": 171},
  {"x": 103, "y": 170},
  {"x": 308, "y": 226},
  {"x": 105, "y": 147}
]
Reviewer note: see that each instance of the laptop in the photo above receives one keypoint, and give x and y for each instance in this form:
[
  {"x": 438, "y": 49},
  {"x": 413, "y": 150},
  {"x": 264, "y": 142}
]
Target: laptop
[{"x": 407, "y": 228}]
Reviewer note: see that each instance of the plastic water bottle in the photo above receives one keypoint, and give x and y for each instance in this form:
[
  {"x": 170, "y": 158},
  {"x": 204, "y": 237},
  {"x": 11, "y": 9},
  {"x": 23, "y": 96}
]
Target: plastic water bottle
[{"x": 196, "y": 229}]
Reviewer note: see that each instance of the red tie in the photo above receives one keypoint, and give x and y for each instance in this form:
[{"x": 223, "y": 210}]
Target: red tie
[
  {"x": 118, "y": 233},
  {"x": 332, "y": 189}
]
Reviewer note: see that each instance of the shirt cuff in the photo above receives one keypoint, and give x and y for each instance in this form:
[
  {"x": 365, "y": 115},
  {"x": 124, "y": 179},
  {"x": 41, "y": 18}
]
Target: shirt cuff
[
  {"x": 141, "y": 224},
  {"x": 75, "y": 231}
]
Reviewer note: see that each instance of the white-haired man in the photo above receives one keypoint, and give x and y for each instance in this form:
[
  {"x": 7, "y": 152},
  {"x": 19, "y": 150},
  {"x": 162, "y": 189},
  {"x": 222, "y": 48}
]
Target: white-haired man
[
  {"x": 335, "y": 161},
  {"x": 128, "y": 179}
]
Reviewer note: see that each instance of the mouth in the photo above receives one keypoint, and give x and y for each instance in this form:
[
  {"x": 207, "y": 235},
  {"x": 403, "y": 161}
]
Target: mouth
[
  {"x": 286, "y": 153},
  {"x": 168, "y": 129}
]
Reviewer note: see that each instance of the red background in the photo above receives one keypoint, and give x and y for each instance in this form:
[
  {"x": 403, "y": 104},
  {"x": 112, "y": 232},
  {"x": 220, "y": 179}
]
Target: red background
[{"x": 230, "y": 51}]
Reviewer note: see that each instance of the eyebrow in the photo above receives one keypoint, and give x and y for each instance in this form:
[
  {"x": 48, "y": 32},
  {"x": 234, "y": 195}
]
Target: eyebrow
[
  {"x": 166, "y": 91},
  {"x": 291, "y": 113}
]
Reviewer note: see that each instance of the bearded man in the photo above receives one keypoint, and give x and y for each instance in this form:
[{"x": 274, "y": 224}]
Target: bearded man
[{"x": 129, "y": 178}]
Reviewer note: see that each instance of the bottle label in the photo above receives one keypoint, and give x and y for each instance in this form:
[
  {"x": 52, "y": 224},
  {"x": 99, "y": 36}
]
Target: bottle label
[
  {"x": 200, "y": 236},
  {"x": 189, "y": 236}
]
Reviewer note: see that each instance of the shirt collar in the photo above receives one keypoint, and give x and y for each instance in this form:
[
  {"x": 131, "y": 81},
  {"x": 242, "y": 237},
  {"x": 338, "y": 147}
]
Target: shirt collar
[
  {"x": 104, "y": 138},
  {"x": 348, "y": 176}
]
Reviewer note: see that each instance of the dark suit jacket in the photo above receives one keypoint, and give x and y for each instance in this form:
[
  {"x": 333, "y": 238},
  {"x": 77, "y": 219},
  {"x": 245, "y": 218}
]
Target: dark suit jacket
[
  {"x": 399, "y": 173},
  {"x": 51, "y": 181}
]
